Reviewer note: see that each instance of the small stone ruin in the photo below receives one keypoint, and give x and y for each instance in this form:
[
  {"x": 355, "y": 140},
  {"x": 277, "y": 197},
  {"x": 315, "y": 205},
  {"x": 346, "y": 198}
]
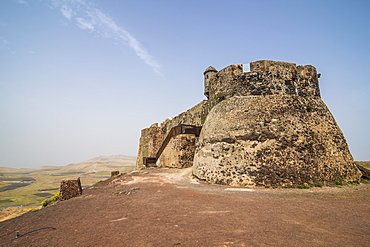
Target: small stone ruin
[
  {"x": 70, "y": 189},
  {"x": 114, "y": 173}
]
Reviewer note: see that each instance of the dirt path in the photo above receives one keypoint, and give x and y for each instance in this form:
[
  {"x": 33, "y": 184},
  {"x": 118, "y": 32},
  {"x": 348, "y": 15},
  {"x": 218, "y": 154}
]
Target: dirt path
[{"x": 166, "y": 207}]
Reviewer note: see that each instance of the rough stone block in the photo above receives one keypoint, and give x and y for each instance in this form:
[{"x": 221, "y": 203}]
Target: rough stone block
[{"x": 70, "y": 189}]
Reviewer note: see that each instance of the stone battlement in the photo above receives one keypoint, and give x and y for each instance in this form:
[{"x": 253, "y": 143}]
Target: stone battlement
[{"x": 265, "y": 78}]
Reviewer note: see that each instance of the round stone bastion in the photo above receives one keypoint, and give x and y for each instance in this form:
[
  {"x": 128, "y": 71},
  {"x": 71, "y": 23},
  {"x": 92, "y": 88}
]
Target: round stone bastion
[{"x": 272, "y": 140}]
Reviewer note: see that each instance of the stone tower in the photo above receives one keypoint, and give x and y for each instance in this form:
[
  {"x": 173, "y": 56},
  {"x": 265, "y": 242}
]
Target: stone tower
[
  {"x": 270, "y": 127},
  {"x": 209, "y": 73}
]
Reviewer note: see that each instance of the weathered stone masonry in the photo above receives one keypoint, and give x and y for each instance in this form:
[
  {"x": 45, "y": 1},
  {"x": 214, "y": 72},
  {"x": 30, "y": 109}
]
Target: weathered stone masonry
[
  {"x": 151, "y": 138},
  {"x": 268, "y": 126}
]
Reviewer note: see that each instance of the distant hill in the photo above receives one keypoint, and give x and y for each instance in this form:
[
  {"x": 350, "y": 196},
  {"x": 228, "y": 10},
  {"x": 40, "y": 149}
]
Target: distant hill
[
  {"x": 365, "y": 164},
  {"x": 98, "y": 164},
  {"x": 31, "y": 186}
]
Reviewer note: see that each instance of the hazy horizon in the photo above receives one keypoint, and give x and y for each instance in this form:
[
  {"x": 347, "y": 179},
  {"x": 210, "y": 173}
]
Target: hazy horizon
[
  {"x": 74, "y": 163},
  {"x": 80, "y": 79}
]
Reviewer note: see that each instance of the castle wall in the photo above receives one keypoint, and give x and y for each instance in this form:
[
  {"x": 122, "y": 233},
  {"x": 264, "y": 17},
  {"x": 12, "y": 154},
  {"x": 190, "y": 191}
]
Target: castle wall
[
  {"x": 194, "y": 116},
  {"x": 151, "y": 138},
  {"x": 179, "y": 152},
  {"x": 272, "y": 140},
  {"x": 150, "y": 141}
]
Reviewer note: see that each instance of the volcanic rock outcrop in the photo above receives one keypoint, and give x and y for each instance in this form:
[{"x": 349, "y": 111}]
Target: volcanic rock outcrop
[{"x": 267, "y": 126}]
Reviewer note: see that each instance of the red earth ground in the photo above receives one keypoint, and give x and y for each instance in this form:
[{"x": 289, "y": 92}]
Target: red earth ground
[{"x": 167, "y": 207}]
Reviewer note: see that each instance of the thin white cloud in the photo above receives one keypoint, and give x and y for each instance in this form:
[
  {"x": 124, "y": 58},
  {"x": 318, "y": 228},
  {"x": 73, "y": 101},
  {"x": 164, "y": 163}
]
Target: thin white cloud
[
  {"x": 88, "y": 17},
  {"x": 66, "y": 12},
  {"x": 84, "y": 24}
]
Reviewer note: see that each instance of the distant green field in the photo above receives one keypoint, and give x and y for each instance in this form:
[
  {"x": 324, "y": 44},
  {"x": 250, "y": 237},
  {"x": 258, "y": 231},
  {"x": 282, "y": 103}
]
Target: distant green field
[
  {"x": 16, "y": 187},
  {"x": 45, "y": 185},
  {"x": 5, "y": 187}
]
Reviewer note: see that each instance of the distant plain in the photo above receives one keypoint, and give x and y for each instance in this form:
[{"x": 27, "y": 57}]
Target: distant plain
[{"x": 30, "y": 187}]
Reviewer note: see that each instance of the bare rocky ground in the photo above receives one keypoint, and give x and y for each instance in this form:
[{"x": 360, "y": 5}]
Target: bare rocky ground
[{"x": 166, "y": 207}]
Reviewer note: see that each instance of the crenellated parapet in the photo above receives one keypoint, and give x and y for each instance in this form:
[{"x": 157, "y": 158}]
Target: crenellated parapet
[{"x": 264, "y": 78}]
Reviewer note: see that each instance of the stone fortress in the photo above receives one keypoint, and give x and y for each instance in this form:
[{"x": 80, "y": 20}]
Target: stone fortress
[{"x": 268, "y": 126}]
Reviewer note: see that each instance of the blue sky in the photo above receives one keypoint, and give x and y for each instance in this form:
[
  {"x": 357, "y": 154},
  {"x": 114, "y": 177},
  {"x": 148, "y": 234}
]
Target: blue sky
[{"x": 80, "y": 79}]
